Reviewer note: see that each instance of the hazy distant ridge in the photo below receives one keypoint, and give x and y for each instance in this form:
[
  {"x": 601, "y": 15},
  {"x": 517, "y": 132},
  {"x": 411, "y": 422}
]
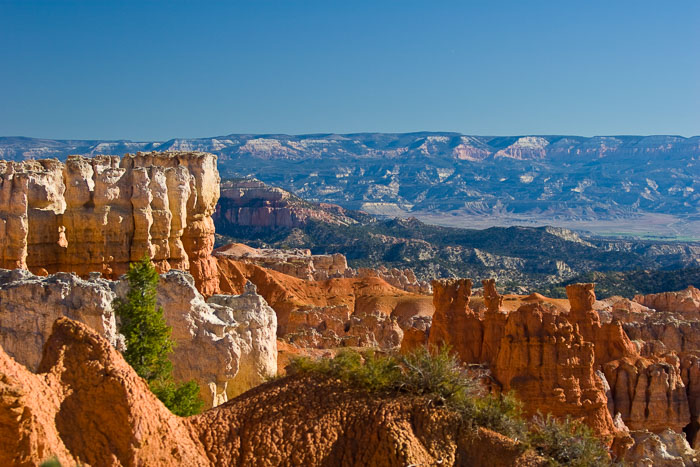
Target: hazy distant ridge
[{"x": 387, "y": 145}]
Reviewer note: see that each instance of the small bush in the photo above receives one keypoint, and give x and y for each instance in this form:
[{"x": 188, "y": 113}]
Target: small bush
[
  {"x": 182, "y": 399},
  {"x": 361, "y": 370},
  {"x": 438, "y": 375},
  {"x": 501, "y": 413},
  {"x": 567, "y": 442}
]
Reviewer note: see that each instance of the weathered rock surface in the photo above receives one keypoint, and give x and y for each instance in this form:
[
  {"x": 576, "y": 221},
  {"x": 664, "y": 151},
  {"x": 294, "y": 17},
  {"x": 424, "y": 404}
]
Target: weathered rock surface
[
  {"x": 403, "y": 279},
  {"x": 227, "y": 346},
  {"x": 665, "y": 449},
  {"x": 551, "y": 367},
  {"x": 295, "y": 262},
  {"x": 256, "y": 331},
  {"x": 534, "y": 350},
  {"x": 685, "y": 302},
  {"x": 307, "y": 422},
  {"x": 571, "y": 362},
  {"x": 99, "y": 214},
  {"x": 29, "y": 305},
  {"x": 609, "y": 339},
  {"x": 250, "y": 203},
  {"x": 330, "y": 313},
  {"x": 300, "y": 263},
  {"x": 87, "y": 405},
  {"x": 648, "y": 393}
]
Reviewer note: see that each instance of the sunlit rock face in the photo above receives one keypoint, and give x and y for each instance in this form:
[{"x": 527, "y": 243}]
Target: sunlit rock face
[
  {"x": 227, "y": 345},
  {"x": 100, "y": 213}
]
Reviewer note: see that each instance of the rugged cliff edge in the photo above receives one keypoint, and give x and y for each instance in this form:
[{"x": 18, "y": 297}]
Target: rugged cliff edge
[{"x": 99, "y": 214}]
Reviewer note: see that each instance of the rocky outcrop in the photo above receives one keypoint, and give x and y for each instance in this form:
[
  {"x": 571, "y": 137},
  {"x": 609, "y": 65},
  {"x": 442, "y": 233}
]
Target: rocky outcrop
[
  {"x": 475, "y": 337},
  {"x": 227, "y": 345},
  {"x": 665, "y": 449},
  {"x": 403, "y": 279},
  {"x": 294, "y": 262},
  {"x": 648, "y": 393},
  {"x": 308, "y": 422},
  {"x": 249, "y": 203},
  {"x": 454, "y": 323},
  {"x": 551, "y": 367},
  {"x": 609, "y": 339},
  {"x": 256, "y": 331},
  {"x": 29, "y": 305},
  {"x": 300, "y": 263},
  {"x": 88, "y": 406},
  {"x": 685, "y": 302},
  {"x": 330, "y": 313},
  {"x": 101, "y": 213},
  {"x": 573, "y": 362}
]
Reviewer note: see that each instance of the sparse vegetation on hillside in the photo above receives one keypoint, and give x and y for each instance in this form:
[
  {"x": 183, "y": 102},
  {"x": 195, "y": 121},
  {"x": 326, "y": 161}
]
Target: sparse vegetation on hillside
[
  {"x": 567, "y": 442},
  {"x": 630, "y": 283},
  {"x": 440, "y": 378},
  {"x": 148, "y": 341}
]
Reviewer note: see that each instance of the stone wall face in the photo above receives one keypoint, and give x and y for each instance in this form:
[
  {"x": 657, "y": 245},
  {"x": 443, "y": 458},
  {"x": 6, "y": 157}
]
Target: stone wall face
[{"x": 100, "y": 213}]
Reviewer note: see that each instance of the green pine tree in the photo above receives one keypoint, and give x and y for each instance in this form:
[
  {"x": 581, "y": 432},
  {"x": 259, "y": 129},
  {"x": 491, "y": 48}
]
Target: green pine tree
[{"x": 148, "y": 341}]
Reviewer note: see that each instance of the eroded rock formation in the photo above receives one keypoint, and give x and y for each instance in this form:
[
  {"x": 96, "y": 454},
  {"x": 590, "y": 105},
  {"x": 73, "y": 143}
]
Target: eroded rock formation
[
  {"x": 99, "y": 214},
  {"x": 88, "y": 406},
  {"x": 685, "y": 302},
  {"x": 252, "y": 204},
  {"x": 296, "y": 262},
  {"x": 551, "y": 367},
  {"x": 227, "y": 345},
  {"x": 300, "y": 263},
  {"x": 330, "y": 313},
  {"x": 404, "y": 279},
  {"x": 572, "y": 362}
]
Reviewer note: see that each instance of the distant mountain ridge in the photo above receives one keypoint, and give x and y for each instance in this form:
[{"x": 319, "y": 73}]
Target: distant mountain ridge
[
  {"x": 367, "y": 145},
  {"x": 643, "y": 186}
]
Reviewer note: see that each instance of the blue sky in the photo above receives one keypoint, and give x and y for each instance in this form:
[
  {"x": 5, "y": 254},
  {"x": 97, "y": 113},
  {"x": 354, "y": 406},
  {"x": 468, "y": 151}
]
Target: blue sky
[{"x": 158, "y": 70}]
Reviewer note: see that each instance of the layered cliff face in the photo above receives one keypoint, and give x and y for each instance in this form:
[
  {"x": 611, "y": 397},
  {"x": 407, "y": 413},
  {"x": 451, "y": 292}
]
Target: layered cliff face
[
  {"x": 251, "y": 203},
  {"x": 227, "y": 345},
  {"x": 300, "y": 263},
  {"x": 685, "y": 302},
  {"x": 99, "y": 214},
  {"x": 551, "y": 367},
  {"x": 87, "y": 405}
]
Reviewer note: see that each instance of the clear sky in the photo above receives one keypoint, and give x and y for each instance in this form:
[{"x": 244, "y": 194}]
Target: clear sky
[{"x": 150, "y": 70}]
